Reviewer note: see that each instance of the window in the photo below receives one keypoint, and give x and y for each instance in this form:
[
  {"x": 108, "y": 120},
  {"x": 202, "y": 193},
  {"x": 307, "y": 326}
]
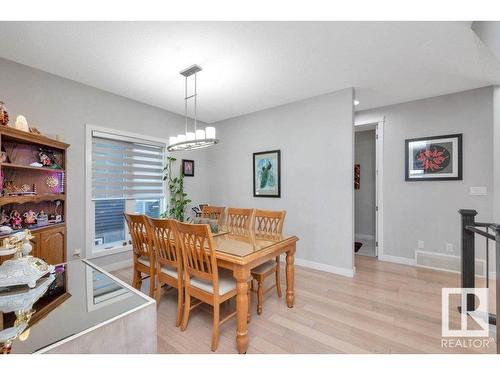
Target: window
[{"x": 125, "y": 174}]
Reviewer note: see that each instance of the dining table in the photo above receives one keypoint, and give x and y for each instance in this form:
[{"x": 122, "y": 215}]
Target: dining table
[{"x": 240, "y": 250}]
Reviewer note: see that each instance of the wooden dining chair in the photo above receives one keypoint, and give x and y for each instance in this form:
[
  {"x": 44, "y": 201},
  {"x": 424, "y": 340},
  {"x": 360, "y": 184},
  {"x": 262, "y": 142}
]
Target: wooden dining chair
[
  {"x": 142, "y": 246},
  {"x": 168, "y": 260},
  {"x": 214, "y": 213},
  {"x": 239, "y": 217},
  {"x": 202, "y": 279},
  {"x": 267, "y": 222}
]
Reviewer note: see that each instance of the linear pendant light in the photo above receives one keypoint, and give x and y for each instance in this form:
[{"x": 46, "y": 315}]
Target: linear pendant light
[{"x": 197, "y": 138}]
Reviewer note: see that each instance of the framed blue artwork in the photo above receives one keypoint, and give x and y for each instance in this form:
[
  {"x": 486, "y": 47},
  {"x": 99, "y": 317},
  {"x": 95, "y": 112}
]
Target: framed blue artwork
[{"x": 267, "y": 174}]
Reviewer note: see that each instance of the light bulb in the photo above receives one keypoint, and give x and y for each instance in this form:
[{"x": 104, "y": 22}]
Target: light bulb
[
  {"x": 210, "y": 132},
  {"x": 200, "y": 134}
]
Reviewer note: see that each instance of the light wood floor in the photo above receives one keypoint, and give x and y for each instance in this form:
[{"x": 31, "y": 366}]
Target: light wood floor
[{"x": 385, "y": 308}]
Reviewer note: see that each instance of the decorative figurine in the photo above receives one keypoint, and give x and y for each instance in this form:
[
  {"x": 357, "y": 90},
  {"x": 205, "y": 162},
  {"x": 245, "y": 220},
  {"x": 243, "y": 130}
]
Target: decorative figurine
[
  {"x": 22, "y": 124},
  {"x": 4, "y": 158},
  {"x": 30, "y": 217},
  {"x": 52, "y": 182},
  {"x": 4, "y": 116},
  {"x": 4, "y": 218},
  {"x": 10, "y": 188},
  {"x": 56, "y": 216},
  {"x": 42, "y": 218},
  {"x": 47, "y": 158},
  {"x": 15, "y": 220},
  {"x": 23, "y": 269}
]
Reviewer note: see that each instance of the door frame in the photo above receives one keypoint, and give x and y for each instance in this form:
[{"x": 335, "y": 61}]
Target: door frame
[{"x": 378, "y": 126}]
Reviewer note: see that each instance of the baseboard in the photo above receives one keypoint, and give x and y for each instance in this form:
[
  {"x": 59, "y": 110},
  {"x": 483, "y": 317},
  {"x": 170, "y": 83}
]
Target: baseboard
[
  {"x": 394, "y": 259},
  {"x": 362, "y": 236},
  {"x": 325, "y": 267},
  {"x": 118, "y": 265}
]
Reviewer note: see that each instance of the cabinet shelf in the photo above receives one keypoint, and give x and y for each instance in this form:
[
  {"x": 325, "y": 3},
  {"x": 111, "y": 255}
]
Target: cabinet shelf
[
  {"x": 32, "y": 199},
  {"x": 36, "y": 229},
  {"x": 29, "y": 167}
]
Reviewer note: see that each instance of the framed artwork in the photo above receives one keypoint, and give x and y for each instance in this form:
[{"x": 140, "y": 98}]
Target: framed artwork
[
  {"x": 187, "y": 168},
  {"x": 357, "y": 176},
  {"x": 434, "y": 158},
  {"x": 267, "y": 174}
]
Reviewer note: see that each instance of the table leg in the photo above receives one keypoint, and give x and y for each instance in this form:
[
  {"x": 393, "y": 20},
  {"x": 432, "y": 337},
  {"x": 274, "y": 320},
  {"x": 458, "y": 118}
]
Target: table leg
[
  {"x": 242, "y": 274},
  {"x": 290, "y": 276}
]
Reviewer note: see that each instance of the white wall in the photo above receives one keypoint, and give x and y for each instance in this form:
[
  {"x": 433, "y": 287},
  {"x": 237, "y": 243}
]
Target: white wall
[
  {"x": 59, "y": 106},
  {"x": 427, "y": 210},
  {"x": 364, "y": 197},
  {"x": 315, "y": 137}
]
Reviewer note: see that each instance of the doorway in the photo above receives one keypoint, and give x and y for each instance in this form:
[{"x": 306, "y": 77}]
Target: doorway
[{"x": 368, "y": 141}]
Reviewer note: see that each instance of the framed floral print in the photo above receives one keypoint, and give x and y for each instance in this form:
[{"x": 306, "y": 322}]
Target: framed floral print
[
  {"x": 187, "y": 168},
  {"x": 434, "y": 158},
  {"x": 267, "y": 174}
]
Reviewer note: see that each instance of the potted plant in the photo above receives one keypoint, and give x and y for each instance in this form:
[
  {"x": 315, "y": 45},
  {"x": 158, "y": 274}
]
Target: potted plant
[{"x": 178, "y": 200}]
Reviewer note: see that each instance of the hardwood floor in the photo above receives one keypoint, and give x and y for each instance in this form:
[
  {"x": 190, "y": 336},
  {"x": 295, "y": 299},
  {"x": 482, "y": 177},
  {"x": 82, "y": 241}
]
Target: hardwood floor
[{"x": 385, "y": 308}]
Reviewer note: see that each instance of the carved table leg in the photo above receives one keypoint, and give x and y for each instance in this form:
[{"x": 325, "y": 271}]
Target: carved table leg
[
  {"x": 241, "y": 274},
  {"x": 290, "y": 276}
]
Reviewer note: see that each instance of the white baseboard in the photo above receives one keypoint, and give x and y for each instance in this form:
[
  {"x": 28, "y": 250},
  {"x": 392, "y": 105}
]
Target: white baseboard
[
  {"x": 325, "y": 267},
  {"x": 118, "y": 265},
  {"x": 362, "y": 236},
  {"x": 394, "y": 259}
]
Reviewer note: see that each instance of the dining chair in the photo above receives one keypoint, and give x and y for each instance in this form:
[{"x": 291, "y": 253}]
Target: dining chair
[
  {"x": 267, "y": 222},
  {"x": 142, "y": 246},
  {"x": 213, "y": 212},
  {"x": 168, "y": 260},
  {"x": 239, "y": 217},
  {"x": 202, "y": 279}
]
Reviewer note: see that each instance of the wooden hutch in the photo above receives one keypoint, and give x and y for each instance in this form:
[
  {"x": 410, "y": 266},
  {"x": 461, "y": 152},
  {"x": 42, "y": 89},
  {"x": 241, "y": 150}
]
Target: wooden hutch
[{"x": 40, "y": 188}]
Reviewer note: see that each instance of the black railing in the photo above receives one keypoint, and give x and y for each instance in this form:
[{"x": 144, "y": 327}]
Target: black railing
[{"x": 468, "y": 266}]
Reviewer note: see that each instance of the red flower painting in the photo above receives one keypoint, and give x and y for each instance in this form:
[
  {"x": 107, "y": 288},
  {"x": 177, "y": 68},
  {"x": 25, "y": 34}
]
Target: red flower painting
[{"x": 433, "y": 159}]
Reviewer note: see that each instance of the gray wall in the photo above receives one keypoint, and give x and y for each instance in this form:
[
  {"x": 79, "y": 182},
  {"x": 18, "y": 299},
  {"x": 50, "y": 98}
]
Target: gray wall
[
  {"x": 364, "y": 197},
  {"x": 496, "y": 153},
  {"x": 59, "y": 106},
  {"x": 315, "y": 137},
  {"x": 428, "y": 210}
]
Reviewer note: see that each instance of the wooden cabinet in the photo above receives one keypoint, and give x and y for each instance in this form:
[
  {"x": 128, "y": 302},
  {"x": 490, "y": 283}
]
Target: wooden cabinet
[
  {"x": 52, "y": 245},
  {"x": 48, "y": 244},
  {"x": 21, "y": 150}
]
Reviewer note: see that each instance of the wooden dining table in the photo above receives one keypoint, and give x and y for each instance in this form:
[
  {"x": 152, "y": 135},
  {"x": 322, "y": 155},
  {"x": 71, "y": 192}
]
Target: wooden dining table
[{"x": 241, "y": 250}]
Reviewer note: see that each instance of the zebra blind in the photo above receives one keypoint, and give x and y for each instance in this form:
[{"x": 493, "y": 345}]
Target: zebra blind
[{"x": 126, "y": 168}]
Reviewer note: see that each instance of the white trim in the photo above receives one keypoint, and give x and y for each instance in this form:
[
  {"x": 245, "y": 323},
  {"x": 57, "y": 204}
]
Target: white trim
[
  {"x": 325, "y": 267},
  {"x": 118, "y": 265},
  {"x": 435, "y": 253},
  {"x": 394, "y": 259},
  {"x": 362, "y": 236},
  {"x": 89, "y": 206}
]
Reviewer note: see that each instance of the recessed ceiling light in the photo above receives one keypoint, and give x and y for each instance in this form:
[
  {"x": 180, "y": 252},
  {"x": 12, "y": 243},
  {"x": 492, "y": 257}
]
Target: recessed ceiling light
[{"x": 356, "y": 102}]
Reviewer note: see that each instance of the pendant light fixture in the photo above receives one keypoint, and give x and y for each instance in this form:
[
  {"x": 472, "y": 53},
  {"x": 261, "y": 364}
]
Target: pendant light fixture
[{"x": 196, "y": 138}]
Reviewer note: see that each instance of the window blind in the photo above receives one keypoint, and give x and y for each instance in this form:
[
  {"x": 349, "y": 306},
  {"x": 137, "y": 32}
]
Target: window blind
[{"x": 126, "y": 168}]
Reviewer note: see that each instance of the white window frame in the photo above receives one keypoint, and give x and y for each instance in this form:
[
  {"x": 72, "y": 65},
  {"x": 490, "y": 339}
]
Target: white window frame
[{"x": 90, "y": 249}]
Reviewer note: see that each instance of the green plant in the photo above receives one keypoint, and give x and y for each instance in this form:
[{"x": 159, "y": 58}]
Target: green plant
[{"x": 178, "y": 198}]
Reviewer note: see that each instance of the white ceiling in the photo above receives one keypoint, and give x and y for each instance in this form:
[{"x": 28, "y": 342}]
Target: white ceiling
[{"x": 249, "y": 66}]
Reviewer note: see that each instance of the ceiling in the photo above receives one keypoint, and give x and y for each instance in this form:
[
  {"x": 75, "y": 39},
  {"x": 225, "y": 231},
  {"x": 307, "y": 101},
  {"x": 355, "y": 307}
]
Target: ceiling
[{"x": 249, "y": 66}]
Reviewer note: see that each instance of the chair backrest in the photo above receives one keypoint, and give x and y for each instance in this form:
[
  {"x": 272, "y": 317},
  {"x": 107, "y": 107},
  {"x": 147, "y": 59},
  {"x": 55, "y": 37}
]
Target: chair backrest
[
  {"x": 138, "y": 227},
  {"x": 269, "y": 221},
  {"x": 198, "y": 255},
  {"x": 213, "y": 212},
  {"x": 239, "y": 217},
  {"x": 165, "y": 241}
]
